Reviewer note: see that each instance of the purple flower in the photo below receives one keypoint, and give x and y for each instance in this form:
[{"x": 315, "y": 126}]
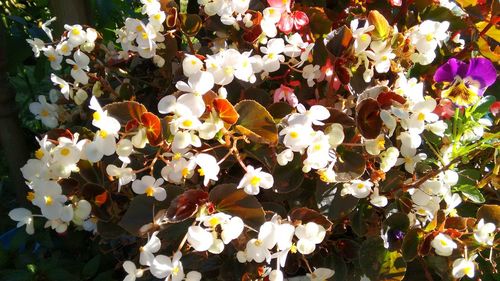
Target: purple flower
[{"x": 465, "y": 83}]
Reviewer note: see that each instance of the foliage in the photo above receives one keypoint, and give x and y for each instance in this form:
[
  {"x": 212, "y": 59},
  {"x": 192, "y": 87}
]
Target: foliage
[{"x": 255, "y": 140}]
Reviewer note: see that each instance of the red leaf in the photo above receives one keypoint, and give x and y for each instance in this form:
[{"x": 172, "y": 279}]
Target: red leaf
[
  {"x": 153, "y": 128},
  {"x": 101, "y": 199},
  {"x": 226, "y": 111},
  {"x": 495, "y": 108},
  {"x": 132, "y": 125},
  {"x": 368, "y": 118},
  {"x": 386, "y": 99},
  {"x": 186, "y": 205}
]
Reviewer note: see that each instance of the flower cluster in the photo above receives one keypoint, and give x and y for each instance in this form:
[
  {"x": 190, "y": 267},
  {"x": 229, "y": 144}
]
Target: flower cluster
[{"x": 285, "y": 138}]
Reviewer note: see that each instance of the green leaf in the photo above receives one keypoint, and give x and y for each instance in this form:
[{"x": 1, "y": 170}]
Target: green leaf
[
  {"x": 379, "y": 264},
  {"x": 91, "y": 267},
  {"x": 440, "y": 14},
  {"x": 15, "y": 275},
  {"x": 484, "y": 104},
  {"x": 409, "y": 247},
  {"x": 256, "y": 122},
  {"x": 237, "y": 202},
  {"x": 472, "y": 193}
]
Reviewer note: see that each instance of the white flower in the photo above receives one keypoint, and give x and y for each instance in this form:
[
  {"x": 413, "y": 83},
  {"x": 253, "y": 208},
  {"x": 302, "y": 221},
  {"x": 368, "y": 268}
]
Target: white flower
[
  {"x": 164, "y": 267},
  {"x": 132, "y": 271},
  {"x": 151, "y": 187},
  {"x": 313, "y": 116},
  {"x": 273, "y": 56},
  {"x": 357, "y": 188},
  {"x": 63, "y": 85},
  {"x": 484, "y": 233},
  {"x": 462, "y": 267},
  {"x": 297, "y": 137},
  {"x": 276, "y": 275},
  {"x": 284, "y": 157},
  {"x": 321, "y": 274},
  {"x": 64, "y": 49},
  {"x": 443, "y": 245},
  {"x": 209, "y": 168},
  {"x": 23, "y": 217},
  {"x": 37, "y": 45},
  {"x": 45, "y": 112},
  {"x": 388, "y": 159},
  {"x": 191, "y": 65},
  {"x": 381, "y": 55},
  {"x": 54, "y": 58},
  {"x": 309, "y": 235},
  {"x": 375, "y": 146},
  {"x": 255, "y": 179},
  {"x": 199, "y": 238},
  {"x": 76, "y": 34},
  {"x": 193, "y": 276},
  {"x": 389, "y": 121},
  {"x": 429, "y": 35},
  {"x": 80, "y": 64},
  {"x": 49, "y": 198},
  {"x": 198, "y": 83},
  {"x": 378, "y": 200},
  {"x": 422, "y": 112},
  {"x": 310, "y": 73},
  {"x": 124, "y": 174},
  {"x": 335, "y": 135},
  {"x": 410, "y": 158},
  {"x": 362, "y": 38},
  {"x": 101, "y": 119},
  {"x": 146, "y": 252}
]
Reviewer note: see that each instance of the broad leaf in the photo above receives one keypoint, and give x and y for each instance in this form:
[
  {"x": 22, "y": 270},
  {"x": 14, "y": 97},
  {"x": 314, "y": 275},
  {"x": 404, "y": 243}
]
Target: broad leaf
[
  {"x": 236, "y": 202},
  {"x": 368, "y": 118},
  {"x": 256, "y": 123},
  {"x": 305, "y": 215},
  {"x": 186, "y": 205},
  {"x": 125, "y": 111}
]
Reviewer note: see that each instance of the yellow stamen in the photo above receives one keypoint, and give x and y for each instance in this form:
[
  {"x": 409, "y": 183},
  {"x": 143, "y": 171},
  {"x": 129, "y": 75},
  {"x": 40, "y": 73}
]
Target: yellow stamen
[
  {"x": 177, "y": 156},
  {"x": 201, "y": 171},
  {"x": 360, "y": 186},
  {"x": 44, "y": 113},
  {"x": 187, "y": 123},
  {"x": 75, "y": 31},
  {"x": 255, "y": 181},
  {"x": 51, "y": 58},
  {"x": 30, "y": 196},
  {"x": 48, "y": 200},
  {"x": 258, "y": 242},
  {"x": 185, "y": 172},
  {"x": 214, "y": 221},
  {"x": 293, "y": 249},
  {"x": 97, "y": 116},
  {"x": 364, "y": 37},
  {"x": 150, "y": 191},
  {"x": 39, "y": 154},
  {"x": 65, "y": 151},
  {"x": 421, "y": 116},
  {"x": 294, "y": 135},
  {"x": 175, "y": 271},
  {"x": 103, "y": 134},
  {"x": 429, "y": 37}
]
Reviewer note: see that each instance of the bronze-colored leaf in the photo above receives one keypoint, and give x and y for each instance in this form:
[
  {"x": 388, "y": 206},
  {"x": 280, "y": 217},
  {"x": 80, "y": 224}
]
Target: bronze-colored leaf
[
  {"x": 237, "y": 202},
  {"x": 190, "y": 24},
  {"x": 125, "y": 111},
  {"x": 490, "y": 213},
  {"x": 341, "y": 40},
  {"x": 368, "y": 118},
  {"x": 304, "y": 215},
  {"x": 350, "y": 165},
  {"x": 382, "y": 27},
  {"x": 186, "y": 205},
  {"x": 256, "y": 123}
]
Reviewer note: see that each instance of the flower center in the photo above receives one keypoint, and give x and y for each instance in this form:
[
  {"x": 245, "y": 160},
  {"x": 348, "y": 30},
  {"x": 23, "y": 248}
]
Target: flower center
[
  {"x": 421, "y": 116},
  {"x": 75, "y": 31},
  {"x": 214, "y": 221},
  {"x": 429, "y": 37},
  {"x": 48, "y": 200},
  {"x": 30, "y": 196},
  {"x": 185, "y": 172},
  {"x": 150, "y": 191},
  {"x": 65, "y": 151},
  {"x": 39, "y": 154},
  {"x": 175, "y": 271},
  {"x": 255, "y": 181},
  {"x": 360, "y": 186},
  {"x": 187, "y": 123},
  {"x": 97, "y": 116},
  {"x": 201, "y": 172},
  {"x": 51, "y": 58},
  {"x": 294, "y": 135},
  {"x": 364, "y": 37}
]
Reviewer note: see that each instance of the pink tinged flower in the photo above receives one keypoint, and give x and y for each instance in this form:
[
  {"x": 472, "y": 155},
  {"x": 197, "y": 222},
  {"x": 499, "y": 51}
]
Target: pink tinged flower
[
  {"x": 280, "y": 4},
  {"x": 287, "y": 94}
]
